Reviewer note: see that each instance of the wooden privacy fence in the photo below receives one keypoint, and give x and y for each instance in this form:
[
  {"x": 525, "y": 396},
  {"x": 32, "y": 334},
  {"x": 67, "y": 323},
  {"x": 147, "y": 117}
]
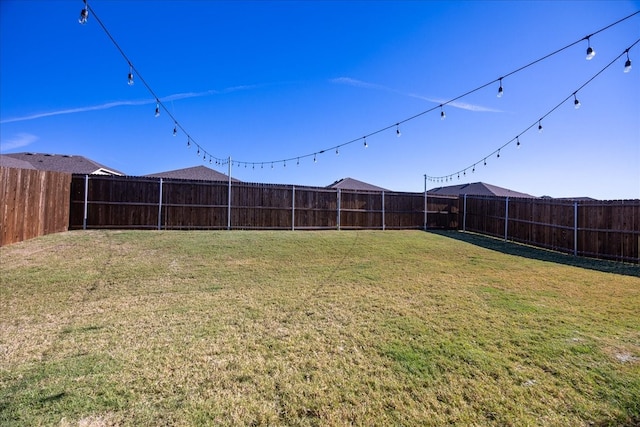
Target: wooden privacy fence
[
  {"x": 592, "y": 228},
  {"x": 32, "y": 203},
  {"x": 164, "y": 204}
]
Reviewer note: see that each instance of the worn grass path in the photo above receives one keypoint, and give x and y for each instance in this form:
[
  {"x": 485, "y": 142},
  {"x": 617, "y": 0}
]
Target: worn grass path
[{"x": 311, "y": 329}]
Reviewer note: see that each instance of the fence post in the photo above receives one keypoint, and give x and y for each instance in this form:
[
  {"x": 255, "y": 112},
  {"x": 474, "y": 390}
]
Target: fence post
[
  {"x": 383, "y": 224},
  {"x": 464, "y": 212},
  {"x": 338, "y": 219},
  {"x": 160, "y": 207},
  {"x": 86, "y": 201},
  {"x": 506, "y": 219},
  {"x": 575, "y": 228},
  {"x": 425, "y": 202},
  {"x": 229, "y": 198},
  {"x": 293, "y": 207}
]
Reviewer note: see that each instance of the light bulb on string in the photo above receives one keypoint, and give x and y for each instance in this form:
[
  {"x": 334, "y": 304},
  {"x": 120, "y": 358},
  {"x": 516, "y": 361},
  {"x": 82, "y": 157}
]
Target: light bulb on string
[
  {"x": 209, "y": 159},
  {"x": 188, "y": 142},
  {"x": 518, "y": 141},
  {"x": 474, "y": 169},
  {"x": 315, "y": 160},
  {"x": 576, "y": 103},
  {"x": 398, "y": 133},
  {"x": 337, "y": 152},
  {"x": 365, "y": 142},
  {"x": 84, "y": 14},
  {"x": 590, "y": 51},
  {"x": 157, "y": 109},
  {"x": 271, "y": 165},
  {"x": 540, "y": 129},
  {"x": 485, "y": 161},
  {"x": 198, "y": 153},
  {"x": 627, "y": 64},
  {"x": 175, "y": 129},
  {"x": 284, "y": 164},
  {"x": 500, "y": 91},
  {"x": 130, "y": 76},
  {"x": 298, "y": 162},
  {"x": 442, "y": 114}
]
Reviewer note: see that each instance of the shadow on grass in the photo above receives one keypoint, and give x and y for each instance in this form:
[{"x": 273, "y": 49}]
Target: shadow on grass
[{"x": 525, "y": 251}]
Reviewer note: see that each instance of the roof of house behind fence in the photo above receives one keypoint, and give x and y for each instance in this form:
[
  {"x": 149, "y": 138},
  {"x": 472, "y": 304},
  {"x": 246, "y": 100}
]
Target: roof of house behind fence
[
  {"x": 198, "y": 173},
  {"x": 354, "y": 184},
  {"x": 61, "y": 163},
  {"x": 10, "y": 162},
  {"x": 477, "y": 189}
]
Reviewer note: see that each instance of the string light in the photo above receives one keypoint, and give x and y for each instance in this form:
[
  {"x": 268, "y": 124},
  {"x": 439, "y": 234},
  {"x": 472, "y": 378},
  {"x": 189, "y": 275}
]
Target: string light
[
  {"x": 87, "y": 8},
  {"x": 398, "y": 134},
  {"x": 627, "y": 64},
  {"x": 337, "y": 152},
  {"x": 175, "y": 129},
  {"x": 84, "y": 14},
  {"x": 518, "y": 141},
  {"x": 590, "y": 51},
  {"x": 365, "y": 142},
  {"x": 130, "y": 75},
  {"x": 498, "y": 155},
  {"x": 500, "y": 91},
  {"x": 572, "y": 95},
  {"x": 188, "y": 142}
]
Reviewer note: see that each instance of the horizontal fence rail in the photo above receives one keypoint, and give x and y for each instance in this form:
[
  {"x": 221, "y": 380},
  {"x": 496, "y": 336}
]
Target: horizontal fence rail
[{"x": 154, "y": 203}]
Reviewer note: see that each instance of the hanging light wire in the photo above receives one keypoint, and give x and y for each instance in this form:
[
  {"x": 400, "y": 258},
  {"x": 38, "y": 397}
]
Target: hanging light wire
[
  {"x": 133, "y": 69},
  {"x": 223, "y": 161},
  {"x": 539, "y": 121}
]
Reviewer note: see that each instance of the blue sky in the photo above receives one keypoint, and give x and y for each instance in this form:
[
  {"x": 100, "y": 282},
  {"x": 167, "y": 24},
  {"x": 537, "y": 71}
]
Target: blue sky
[{"x": 265, "y": 81}]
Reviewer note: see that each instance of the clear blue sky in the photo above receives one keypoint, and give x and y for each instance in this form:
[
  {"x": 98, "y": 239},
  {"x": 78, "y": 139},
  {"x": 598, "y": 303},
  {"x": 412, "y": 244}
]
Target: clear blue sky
[{"x": 265, "y": 81}]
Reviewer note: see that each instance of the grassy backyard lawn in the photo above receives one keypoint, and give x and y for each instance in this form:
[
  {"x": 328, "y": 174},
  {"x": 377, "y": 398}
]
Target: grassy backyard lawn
[{"x": 313, "y": 329}]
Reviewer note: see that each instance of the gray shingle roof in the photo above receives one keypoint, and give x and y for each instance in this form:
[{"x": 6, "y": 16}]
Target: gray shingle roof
[
  {"x": 476, "y": 189},
  {"x": 63, "y": 163},
  {"x": 198, "y": 173},
  {"x": 10, "y": 162},
  {"x": 354, "y": 184}
]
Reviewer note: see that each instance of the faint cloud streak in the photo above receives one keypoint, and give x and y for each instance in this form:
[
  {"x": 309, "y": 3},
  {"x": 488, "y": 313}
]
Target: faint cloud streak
[
  {"x": 114, "y": 104},
  {"x": 456, "y": 104},
  {"x": 20, "y": 140}
]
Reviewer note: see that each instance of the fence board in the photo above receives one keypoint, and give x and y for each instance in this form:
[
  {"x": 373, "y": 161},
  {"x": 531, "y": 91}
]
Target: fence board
[{"x": 32, "y": 203}]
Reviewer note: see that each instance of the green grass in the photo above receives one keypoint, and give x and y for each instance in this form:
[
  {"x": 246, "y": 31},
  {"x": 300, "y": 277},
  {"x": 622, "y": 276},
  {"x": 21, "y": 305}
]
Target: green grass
[{"x": 313, "y": 329}]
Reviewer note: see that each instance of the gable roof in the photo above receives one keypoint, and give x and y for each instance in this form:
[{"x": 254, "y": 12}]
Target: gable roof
[
  {"x": 354, "y": 184},
  {"x": 477, "y": 189},
  {"x": 196, "y": 173},
  {"x": 63, "y": 163}
]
